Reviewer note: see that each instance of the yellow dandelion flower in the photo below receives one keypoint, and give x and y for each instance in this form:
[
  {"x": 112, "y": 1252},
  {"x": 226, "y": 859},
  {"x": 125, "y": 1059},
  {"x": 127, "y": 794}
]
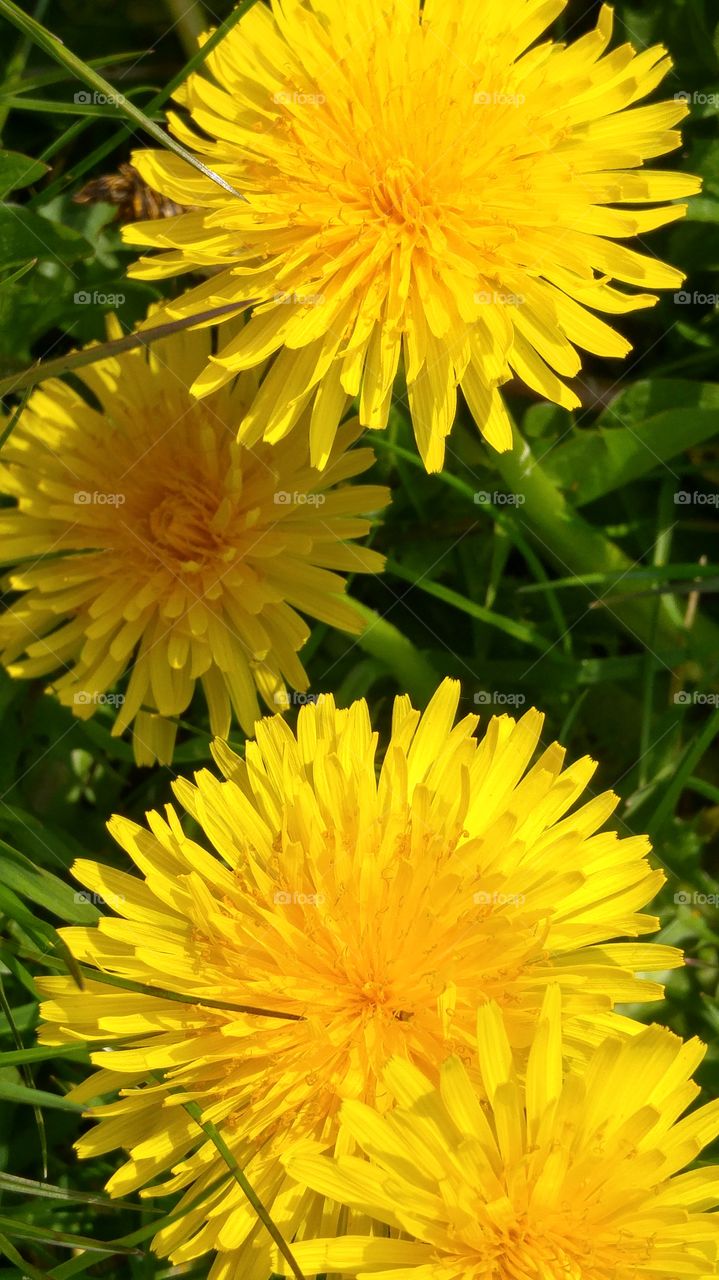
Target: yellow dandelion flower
[
  {"x": 421, "y": 182},
  {"x": 567, "y": 1175},
  {"x": 147, "y": 541},
  {"x": 366, "y": 917}
]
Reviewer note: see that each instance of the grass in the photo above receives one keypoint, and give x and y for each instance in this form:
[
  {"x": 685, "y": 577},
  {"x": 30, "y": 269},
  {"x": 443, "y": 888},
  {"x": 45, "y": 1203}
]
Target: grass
[{"x": 572, "y": 575}]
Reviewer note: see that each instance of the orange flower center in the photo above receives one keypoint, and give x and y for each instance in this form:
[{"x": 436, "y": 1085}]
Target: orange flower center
[
  {"x": 398, "y": 193},
  {"x": 183, "y": 524}
]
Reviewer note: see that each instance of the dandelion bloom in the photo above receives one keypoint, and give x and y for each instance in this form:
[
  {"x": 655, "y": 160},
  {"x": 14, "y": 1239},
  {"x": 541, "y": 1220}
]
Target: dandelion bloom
[
  {"x": 421, "y": 182},
  {"x": 369, "y": 914},
  {"x": 567, "y": 1175},
  {"x": 154, "y": 544}
]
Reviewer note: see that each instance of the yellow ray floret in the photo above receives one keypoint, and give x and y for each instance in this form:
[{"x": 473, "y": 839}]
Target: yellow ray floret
[
  {"x": 562, "y": 1175},
  {"x": 364, "y": 915},
  {"x": 147, "y": 542},
  {"x": 422, "y": 186}
]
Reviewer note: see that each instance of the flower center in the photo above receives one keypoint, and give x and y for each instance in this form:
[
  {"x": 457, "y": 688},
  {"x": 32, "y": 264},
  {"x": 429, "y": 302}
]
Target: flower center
[
  {"x": 397, "y": 193},
  {"x": 183, "y": 524}
]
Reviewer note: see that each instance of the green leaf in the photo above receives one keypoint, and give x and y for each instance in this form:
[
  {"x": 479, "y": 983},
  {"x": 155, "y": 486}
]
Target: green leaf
[
  {"x": 52, "y": 107},
  {"x": 18, "y": 273},
  {"x": 16, "y": 1229},
  {"x": 25, "y": 1269},
  {"x": 44, "y": 1053},
  {"x": 655, "y": 575},
  {"x": 702, "y": 209},
  {"x": 35, "y": 838},
  {"x": 57, "y": 50},
  {"x": 47, "y": 1191},
  {"x": 118, "y": 138},
  {"x": 211, "y": 1131},
  {"x": 14, "y": 417},
  {"x": 693, "y": 753},
  {"x": 630, "y": 440},
  {"x": 17, "y": 171},
  {"x": 12, "y": 1092},
  {"x": 44, "y": 888},
  {"x": 24, "y": 235},
  {"x": 510, "y": 626},
  {"x": 23, "y": 1018},
  {"x": 13, "y": 907},
  {"x": 577, "y": 547},
  {"x": 104, "y": 350}
]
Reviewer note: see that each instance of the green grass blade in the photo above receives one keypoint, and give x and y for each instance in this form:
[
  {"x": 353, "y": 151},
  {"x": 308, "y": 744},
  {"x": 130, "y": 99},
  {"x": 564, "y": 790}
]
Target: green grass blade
[
  {"x": 16, "y": 1229},
  {"x": 517, "y": 630},
  {"x": 58, "y": 51},
  {"x": 11, "y": 1092},
  {"x": 216, "y": 1138},
  {"x": 25, "y": 1269},
  {"x": 195, "y": 62},
  {"x": 104, "y": 350},
  {"x": 692, "y": 755}
]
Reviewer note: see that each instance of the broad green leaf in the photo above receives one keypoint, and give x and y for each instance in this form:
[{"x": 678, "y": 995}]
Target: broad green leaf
[
  {"x": 13, "y": 907},
  {"x": 596, "y": 462},
  {"x": 24, "y": 235},
  {"x": 46, "y": 889},
  {"x": 39, "y": 840},
  {"x": 18, "y": 171},
  {"x": 653, "y": 396}
]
